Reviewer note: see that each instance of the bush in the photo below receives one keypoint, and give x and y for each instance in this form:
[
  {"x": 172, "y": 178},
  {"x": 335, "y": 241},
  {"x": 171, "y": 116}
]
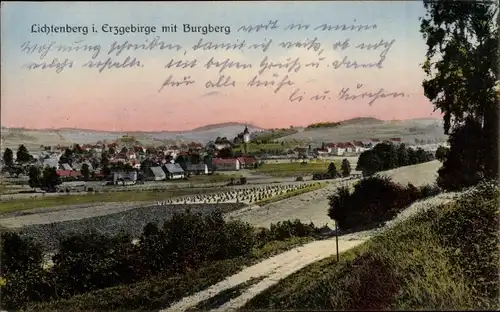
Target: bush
[
  {"x": 286, "y": 229},
  {"x": 374, "y": 200},
  {"x": 21, "y": 268},
  {"x": 92, "y": 261},
  {"x": 299, "y": 179}
]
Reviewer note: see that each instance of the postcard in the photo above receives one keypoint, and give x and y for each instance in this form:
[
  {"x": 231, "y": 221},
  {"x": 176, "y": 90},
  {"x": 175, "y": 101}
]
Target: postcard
[{"x": 237, "y": 155}]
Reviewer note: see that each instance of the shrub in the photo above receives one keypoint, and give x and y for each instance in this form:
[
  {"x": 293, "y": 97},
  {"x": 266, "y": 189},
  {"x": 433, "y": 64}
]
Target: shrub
[
  {"x": 286, "y": 229},
  {"x": 374, "y": 200},
  {"x": 92, "y": 261},
  {"x": 21, "y": 268}
]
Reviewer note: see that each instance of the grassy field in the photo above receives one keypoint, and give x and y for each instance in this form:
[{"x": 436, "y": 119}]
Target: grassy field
[
  {"x": 50, "y": 201},
  {"x": 296, "y": 169},
  {"x": 421, "y": 264},
  {"x": 276, "y": 198},
  {"x": 158, "y": 292},
  {"x": 204, "y": 178},
  {"x": 254, "y": 147}
]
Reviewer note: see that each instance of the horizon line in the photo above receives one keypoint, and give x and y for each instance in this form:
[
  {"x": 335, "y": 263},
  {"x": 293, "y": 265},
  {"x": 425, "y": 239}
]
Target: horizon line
[{"x": 214, "y": 124}]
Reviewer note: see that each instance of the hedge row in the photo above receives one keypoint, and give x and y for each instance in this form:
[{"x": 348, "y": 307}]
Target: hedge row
[{"x": 92, "y": 261}]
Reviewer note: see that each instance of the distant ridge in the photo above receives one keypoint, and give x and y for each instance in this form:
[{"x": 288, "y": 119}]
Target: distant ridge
[
  {"x": 223, "y": 124},
  {"x": 360, "y": 120}
]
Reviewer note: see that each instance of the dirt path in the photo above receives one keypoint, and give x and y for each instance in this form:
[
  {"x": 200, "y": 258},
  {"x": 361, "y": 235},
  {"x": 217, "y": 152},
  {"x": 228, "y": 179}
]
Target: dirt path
[
  {"x": 279, "y": 267},
  {"x": 275, "y": 269}
]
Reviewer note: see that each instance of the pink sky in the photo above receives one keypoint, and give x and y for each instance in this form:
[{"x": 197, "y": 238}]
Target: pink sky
[{"x": 128, "y": 99}]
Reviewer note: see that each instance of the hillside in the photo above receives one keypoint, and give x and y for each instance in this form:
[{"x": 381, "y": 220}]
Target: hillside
[
  {"x": 352, "y": 129},
  {"x": 12, "y": 138},
  {"x": 361, "y": 129},
  {"x": 423, "y": 263},
  {"x": 222, "y": 125}
]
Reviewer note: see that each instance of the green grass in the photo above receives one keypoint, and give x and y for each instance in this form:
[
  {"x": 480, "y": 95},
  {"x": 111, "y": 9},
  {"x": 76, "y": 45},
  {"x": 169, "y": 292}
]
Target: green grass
[
  {"x": 213, "y": 178},
  {"x": 296, "y": 168},
  {"x": 61, "y": 200},
  {"x": 309, "y": 188},
  {"x": 407, "y": 268},
  {"x": 160, "y": 292}
]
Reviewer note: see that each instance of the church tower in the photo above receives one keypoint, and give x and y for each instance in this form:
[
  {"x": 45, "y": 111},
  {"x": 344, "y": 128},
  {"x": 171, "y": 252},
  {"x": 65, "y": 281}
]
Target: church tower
[
  {"x": 246, "y": 135},
  {"x": 246, "y": 139}
]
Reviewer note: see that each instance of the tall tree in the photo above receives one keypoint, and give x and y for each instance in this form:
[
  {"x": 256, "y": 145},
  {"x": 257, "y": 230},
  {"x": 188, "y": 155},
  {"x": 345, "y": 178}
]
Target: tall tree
[
  {"x": 85, "y": 172},
  {"x": 346, "y": 168},
  {"x": 461, "y": 65},
  {"x": 22, "y": 155},
  {"x": 8, "y": 157},
  {"x": 332, "y": 170},
  {"x": 50, "y": 178},
  {"x": 35, "y": 177},
  {"x": 402, "y": 156}
]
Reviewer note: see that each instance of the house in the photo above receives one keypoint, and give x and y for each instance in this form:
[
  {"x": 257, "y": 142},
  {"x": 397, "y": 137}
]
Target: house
[
  {"x": 321, "y": 152},
  {"x": 330, "y": 147},
  {"x": 359, "y": 147},
  {"x": 51, "y": 162},
  {"x": 349, "y": 147},
  {"x": 121, "y": 175},
  {"x": 197, "y": 168},
  {"x": 229, "y": 164},
  {"x": 158, "y": 173},
  {"x": 337, "y": 149},
  {"x": 174, "y": 171},
  {"x": 247, "y": 162}
]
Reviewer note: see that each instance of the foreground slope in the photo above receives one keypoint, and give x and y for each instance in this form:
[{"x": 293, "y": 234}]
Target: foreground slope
[
  {"x": 279, "y": 267},
  {"x": 444, "y": 259}
]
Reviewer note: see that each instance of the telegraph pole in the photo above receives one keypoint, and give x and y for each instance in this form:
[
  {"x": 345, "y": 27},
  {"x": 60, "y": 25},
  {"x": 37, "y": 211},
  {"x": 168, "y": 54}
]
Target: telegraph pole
[{"x": 337, "y": 240}]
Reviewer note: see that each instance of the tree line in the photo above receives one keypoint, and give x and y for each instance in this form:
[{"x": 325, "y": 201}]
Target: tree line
[{"x": 386, "y": 156}]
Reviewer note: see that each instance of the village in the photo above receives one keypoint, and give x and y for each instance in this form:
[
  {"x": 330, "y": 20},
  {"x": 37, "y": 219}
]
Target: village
[{"x": 127, "y": 162}]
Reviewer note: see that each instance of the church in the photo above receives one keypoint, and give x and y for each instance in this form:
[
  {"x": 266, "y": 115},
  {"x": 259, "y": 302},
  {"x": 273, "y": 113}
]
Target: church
[{"x": 246, "y": 140}]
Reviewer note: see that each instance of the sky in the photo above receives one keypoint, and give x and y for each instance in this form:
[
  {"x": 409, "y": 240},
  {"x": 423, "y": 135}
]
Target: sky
[{"x": 132, "y": 98}]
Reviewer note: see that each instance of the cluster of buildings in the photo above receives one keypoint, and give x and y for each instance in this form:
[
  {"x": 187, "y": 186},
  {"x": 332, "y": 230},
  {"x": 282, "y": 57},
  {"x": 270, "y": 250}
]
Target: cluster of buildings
[{"x": 354, "y": 147}]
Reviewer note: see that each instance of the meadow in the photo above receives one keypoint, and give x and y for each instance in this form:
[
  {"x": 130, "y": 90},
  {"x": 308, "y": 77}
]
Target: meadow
[
  {"x": 263, "y": 147},
  {"x": 295, "y": 169},
  {"x": 126, "y": 196}
]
